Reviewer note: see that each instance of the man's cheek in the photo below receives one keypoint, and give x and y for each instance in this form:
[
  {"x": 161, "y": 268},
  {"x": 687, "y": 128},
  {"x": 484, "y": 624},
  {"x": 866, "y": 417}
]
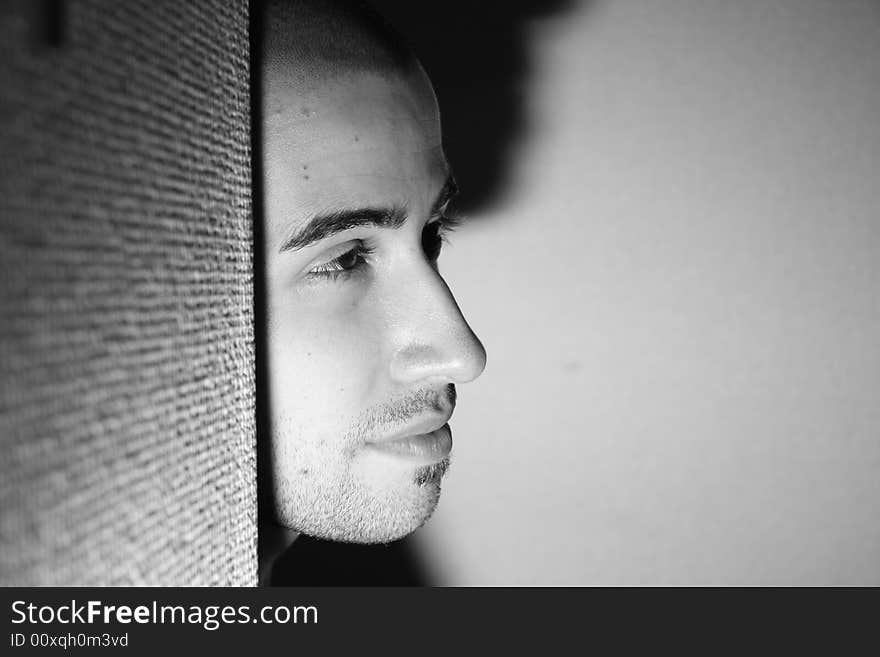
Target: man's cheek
[
  {"x": 344, "y": 354},
  {"x": 320, "y": 381}
]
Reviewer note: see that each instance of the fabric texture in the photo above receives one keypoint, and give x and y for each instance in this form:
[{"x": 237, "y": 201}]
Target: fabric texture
[{"x": 127, "y": 424}]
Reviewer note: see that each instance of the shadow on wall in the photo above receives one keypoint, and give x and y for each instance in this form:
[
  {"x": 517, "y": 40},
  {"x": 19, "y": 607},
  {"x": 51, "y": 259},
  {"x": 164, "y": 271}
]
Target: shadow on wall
[{"x": 476, "y": 54}]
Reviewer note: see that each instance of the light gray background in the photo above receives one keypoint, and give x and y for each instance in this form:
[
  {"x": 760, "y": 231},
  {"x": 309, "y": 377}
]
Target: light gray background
[{"x": 680, "y": 303}]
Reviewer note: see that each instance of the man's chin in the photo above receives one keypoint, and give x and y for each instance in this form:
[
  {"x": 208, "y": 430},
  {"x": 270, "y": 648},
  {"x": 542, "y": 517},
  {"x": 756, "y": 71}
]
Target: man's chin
[
  {"x": 367, "y": 514},
  {"x": 377, "y": 535}
]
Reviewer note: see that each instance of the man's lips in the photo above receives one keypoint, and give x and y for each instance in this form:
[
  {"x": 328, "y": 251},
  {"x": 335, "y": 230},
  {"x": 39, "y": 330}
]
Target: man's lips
[{"x": 424, "y": 443}]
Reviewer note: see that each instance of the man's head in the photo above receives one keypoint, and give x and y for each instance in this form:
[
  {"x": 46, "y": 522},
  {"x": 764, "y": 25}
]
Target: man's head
[{"x": 365, "y": 341}]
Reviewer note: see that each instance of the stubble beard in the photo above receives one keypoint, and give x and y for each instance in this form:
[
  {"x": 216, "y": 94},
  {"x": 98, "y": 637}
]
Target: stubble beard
[{"x": 432, "y": 474}]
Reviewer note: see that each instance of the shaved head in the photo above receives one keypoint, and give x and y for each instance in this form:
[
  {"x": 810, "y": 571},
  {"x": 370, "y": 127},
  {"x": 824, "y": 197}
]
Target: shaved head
[{"x": 308, "y": 42}]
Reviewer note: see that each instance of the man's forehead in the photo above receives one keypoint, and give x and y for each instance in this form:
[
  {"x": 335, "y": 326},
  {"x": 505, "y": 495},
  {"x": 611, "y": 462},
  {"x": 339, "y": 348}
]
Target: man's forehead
[
  {"x": 369, "y": 141},
  {"x": 350, "y": 108}
]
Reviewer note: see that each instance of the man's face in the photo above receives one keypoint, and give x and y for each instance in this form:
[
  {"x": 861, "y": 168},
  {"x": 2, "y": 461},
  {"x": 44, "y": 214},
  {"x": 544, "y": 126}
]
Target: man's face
[{"x": 365, "y": 339}]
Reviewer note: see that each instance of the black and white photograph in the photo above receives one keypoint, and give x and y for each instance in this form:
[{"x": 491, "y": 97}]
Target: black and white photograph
[{"x": 440, "y": 294}]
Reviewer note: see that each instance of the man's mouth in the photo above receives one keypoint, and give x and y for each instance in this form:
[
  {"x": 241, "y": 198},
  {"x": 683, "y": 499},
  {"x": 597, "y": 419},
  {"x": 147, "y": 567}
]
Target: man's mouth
[{"x": 419, "y": 447}]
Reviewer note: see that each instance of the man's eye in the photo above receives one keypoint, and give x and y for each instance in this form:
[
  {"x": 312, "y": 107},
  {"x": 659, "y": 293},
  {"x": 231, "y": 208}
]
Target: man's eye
[
  {"x": 432, "y": 240},
  {"x": 344, "y": 264}
]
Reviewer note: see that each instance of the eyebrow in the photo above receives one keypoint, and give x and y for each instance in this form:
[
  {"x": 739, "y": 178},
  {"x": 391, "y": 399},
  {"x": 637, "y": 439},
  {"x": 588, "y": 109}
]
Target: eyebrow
[{"x": 327, "y": 224}]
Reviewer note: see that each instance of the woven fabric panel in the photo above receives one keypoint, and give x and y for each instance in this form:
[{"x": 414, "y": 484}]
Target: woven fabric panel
[{"x": 126, "y": 337}]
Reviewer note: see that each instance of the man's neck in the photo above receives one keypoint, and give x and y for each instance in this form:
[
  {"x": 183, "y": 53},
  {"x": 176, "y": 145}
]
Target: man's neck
[{"x": 272, "y": 541}]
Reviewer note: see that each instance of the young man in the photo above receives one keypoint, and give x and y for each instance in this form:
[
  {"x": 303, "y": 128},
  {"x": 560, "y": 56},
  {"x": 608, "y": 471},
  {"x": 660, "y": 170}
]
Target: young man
[{"x": 365, "y": 341}]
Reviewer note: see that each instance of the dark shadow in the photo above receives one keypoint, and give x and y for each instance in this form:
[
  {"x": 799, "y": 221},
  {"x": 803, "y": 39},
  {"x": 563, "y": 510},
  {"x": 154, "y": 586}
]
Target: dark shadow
[
  {"x": 476, "y": 54},
  {"x": 310, "y": 562}
]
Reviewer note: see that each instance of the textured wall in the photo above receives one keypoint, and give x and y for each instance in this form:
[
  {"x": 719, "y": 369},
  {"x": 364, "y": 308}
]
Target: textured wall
[{"x": 126, "y": 361}]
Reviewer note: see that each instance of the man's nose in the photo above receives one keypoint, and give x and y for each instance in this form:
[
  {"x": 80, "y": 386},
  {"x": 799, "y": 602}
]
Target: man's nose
[{"x": 433, "y": 340}]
